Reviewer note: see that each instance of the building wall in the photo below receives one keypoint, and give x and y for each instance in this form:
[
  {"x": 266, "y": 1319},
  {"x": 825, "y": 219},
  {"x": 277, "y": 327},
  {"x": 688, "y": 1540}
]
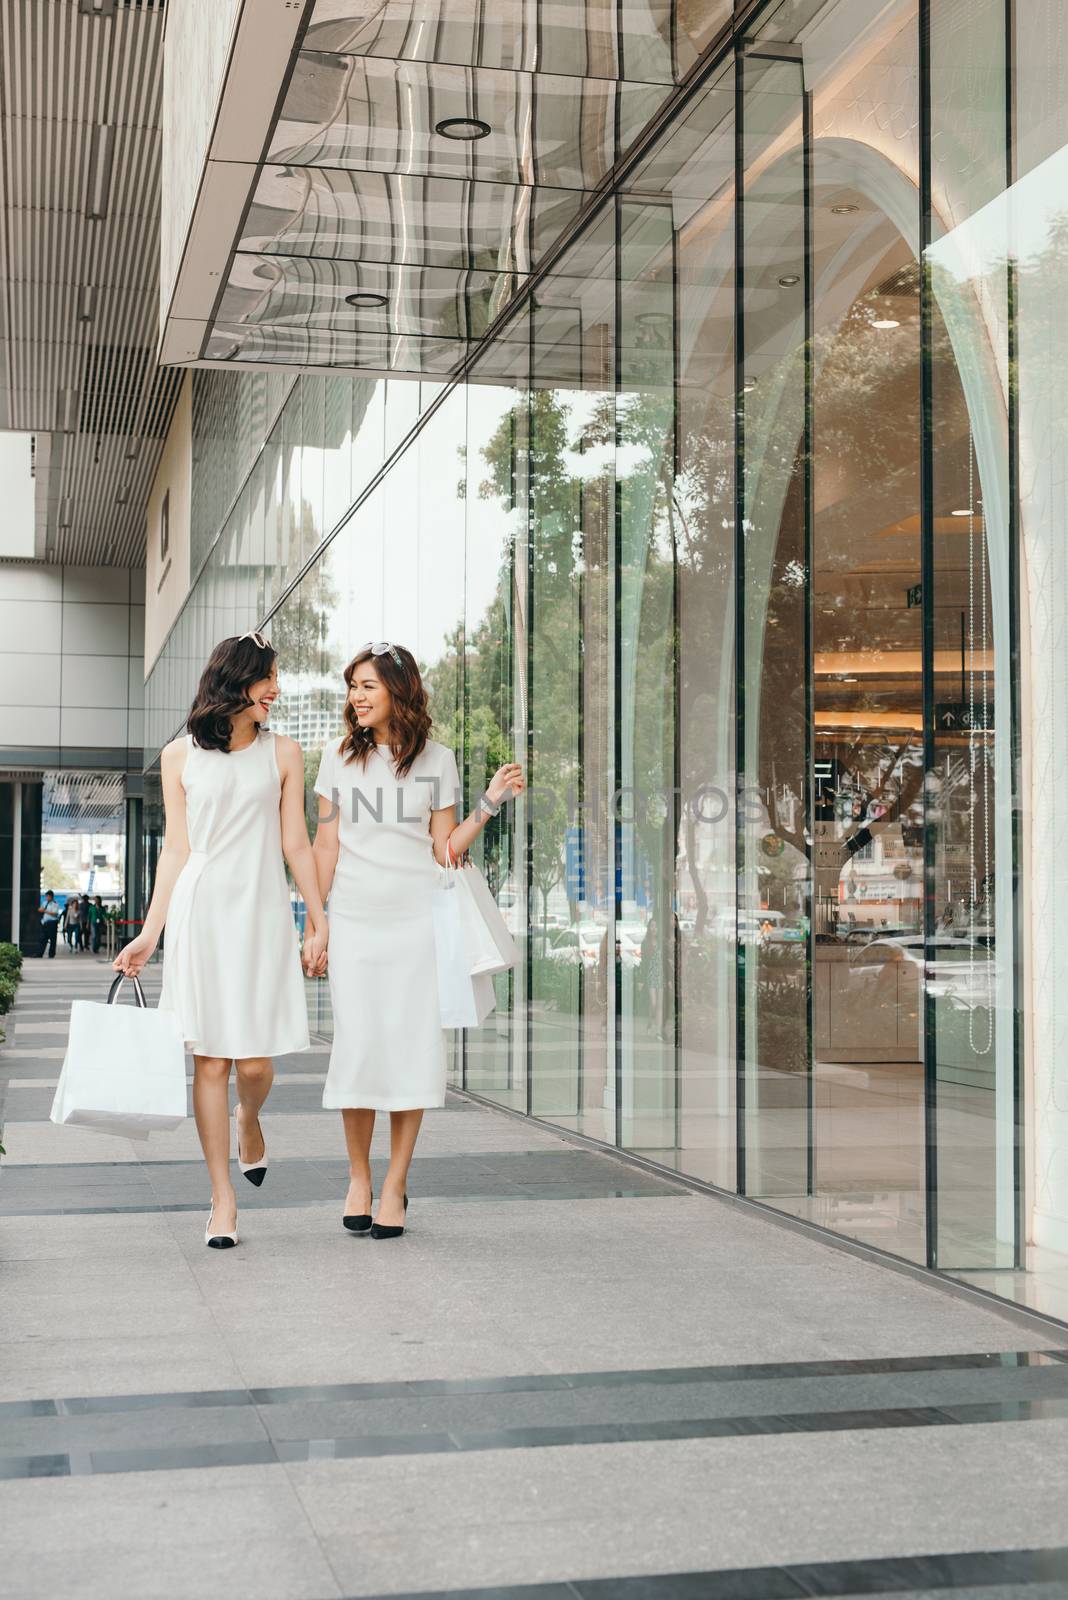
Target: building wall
[
  {"x": 71, "y": 666},
  {"x": 167, "y": 570},
  {"x": 562, "y": 536}
]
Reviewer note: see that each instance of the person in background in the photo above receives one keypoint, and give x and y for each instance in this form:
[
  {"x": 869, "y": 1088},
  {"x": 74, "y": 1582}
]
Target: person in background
[
  {"x": 51, "y": 912},
  {"x": 97, "y": 921},
  {"x": 70, "y": 921},
  {"x": 84, "y": 920}
]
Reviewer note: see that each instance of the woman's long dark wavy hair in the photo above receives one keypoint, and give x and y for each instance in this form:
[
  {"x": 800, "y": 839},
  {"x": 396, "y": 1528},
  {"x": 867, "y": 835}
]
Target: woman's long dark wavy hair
[
  {"x": 233, "y": 667},
  {"x": 409, "y": 718}
]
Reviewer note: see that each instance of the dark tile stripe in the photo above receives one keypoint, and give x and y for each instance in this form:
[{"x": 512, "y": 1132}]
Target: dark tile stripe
[
  {"x": 900, "y": 1575},
  {"x": 526, "y": 1383},
  {"x": 442, "y": 1443}
]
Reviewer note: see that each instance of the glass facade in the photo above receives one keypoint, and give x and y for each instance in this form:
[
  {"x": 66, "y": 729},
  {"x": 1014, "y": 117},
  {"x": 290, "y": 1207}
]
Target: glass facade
[{"x": 722, "y": 539}]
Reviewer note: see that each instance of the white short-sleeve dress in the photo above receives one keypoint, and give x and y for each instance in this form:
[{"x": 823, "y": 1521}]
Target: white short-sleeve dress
[
  {"x": 389, "y": 1046},
  {"x": 231, "y": 959}
]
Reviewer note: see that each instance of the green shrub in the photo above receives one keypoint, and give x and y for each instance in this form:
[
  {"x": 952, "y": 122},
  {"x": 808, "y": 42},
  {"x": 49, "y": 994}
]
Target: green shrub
[
  {"x": 8, "y": 985},
  {"x": 10, "y": 958}
]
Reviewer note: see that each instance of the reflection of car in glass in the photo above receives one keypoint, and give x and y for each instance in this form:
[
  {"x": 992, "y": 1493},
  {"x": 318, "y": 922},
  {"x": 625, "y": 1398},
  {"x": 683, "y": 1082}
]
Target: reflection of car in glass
[
  {"x": 573, "y": 944},
  {"x": 961, "y": 969}
]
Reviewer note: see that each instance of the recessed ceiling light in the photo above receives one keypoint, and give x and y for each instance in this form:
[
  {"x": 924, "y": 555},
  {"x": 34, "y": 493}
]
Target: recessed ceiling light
[
  {"x": 885, "y": 322},
  {"x": 789, "y": 280},
  {"x": 362, "y": 298},
  {"x": 654, "y": 319},
  {"x": 967, "y": 511},
  {"x": 462, "y": 128},
  {"x": 843, "y": 211}
]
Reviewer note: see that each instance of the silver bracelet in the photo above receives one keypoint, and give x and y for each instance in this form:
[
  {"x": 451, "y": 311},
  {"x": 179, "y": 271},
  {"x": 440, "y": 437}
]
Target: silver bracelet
[{"x": 489, "y": 805}]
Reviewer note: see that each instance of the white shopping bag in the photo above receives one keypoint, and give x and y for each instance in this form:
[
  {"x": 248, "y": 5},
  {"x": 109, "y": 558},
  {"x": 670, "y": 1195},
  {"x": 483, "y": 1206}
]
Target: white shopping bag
[
  {"x": 465, "y": 999},
  {"x": 490, "y": 945},
  {"x": 124, "y": 1071}
]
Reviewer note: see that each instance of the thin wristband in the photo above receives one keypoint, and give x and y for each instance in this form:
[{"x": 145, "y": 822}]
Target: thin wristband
[{"x": 488, "y": 804}]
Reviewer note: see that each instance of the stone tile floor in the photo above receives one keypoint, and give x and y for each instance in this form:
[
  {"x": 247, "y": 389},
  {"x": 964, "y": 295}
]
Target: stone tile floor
[{"x": 571, "y": 1378}]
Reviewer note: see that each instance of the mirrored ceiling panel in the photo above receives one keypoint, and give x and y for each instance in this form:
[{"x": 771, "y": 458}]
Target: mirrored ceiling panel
[
  {"x": 653, "y": 41},
  {"x": 458, "y": 122},
  {"x": 402, "y": 217},
  {"x": 301, "y": 292}
]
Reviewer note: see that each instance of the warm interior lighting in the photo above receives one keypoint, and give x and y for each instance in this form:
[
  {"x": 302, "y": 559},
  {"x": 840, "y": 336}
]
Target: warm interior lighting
[{"x": 885, "y": 322}]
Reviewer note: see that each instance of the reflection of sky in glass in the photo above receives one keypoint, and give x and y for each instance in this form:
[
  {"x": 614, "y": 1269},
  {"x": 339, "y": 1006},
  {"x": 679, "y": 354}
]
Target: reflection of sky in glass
[{"x": 1018, "y": 222}]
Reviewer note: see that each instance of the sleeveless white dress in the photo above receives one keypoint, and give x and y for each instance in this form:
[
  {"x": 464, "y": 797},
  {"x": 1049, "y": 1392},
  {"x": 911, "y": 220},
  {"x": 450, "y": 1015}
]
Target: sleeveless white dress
[
  {"x": 389, "y": 1046},
  {"x": 231, "y": 957}
]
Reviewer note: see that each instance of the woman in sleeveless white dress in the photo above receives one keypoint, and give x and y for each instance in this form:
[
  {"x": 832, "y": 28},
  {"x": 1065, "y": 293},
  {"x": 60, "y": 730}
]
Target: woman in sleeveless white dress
[
  {"x": 387, "y": 812},
  {"x": 234, "y": 797}
]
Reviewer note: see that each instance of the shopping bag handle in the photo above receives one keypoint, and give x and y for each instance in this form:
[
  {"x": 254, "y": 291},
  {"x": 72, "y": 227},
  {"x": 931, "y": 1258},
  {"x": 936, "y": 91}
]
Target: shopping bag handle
[{"x": 139, "y": 993}]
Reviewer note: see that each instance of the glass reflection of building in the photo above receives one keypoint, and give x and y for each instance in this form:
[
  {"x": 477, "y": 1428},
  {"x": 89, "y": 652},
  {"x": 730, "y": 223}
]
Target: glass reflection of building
[{"x": 736, "y": 532}]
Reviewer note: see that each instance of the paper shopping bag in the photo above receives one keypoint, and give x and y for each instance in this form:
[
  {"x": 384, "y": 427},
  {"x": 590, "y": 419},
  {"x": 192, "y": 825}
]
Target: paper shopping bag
[
  {"x": 124, "y": 1071},
  {"x": 465, "y": 1000},
  {"x": 490, "y": 945}
]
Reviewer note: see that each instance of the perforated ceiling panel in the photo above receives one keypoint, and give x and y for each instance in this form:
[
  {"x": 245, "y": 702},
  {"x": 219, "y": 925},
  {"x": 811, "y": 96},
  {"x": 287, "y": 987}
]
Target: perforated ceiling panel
[{"x": 79, "y": 263}]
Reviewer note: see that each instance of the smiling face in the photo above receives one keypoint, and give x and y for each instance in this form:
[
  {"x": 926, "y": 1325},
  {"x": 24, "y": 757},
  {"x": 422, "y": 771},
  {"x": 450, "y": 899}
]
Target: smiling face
[
  {"x": 370, "y": 700},
  {"x": 263, "y": 694}
]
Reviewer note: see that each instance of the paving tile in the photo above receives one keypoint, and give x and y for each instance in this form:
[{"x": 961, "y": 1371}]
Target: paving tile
[{"x": 171, "y": 1535}]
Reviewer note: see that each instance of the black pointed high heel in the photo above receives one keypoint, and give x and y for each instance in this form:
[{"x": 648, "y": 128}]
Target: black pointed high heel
[
  {"x": 360, "y": 1223},
  {"x": 383, "y": 1230}
]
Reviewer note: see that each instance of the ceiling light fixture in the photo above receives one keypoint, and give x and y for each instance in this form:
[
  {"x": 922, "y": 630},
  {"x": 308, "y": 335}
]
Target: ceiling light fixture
[
  {"x": 363, "y": 298},
  {"x": 789, "y": 280},
  {"x": 885, "y": 322},
  {"x": 843, "y": 211},
  {"x": 967, "y": 511},
  {"x": 101, "y": 156},
  {"x": 463, "y": 128}
]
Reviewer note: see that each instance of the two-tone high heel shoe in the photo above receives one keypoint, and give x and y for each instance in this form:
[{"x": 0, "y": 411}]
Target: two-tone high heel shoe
[
  {"x": 254, "y": 1171},
  {"x": 218, "y": 1241},
  {"x": 383, "y": 1230}
]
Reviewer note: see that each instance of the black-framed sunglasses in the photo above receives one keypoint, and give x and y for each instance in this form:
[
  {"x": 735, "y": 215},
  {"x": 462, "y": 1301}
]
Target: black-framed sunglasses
[{"x": 381, "y": 649}]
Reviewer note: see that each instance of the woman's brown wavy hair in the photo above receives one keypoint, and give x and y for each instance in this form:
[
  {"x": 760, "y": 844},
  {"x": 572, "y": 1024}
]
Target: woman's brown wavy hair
[
  {"x": 233, "y": 667},
  {"x": 409, "y": 718}
]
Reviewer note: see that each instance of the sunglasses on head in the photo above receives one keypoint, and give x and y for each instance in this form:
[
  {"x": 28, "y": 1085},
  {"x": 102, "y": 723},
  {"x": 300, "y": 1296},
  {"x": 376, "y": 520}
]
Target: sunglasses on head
[
  {"x": 257, "y": 639},
  {"x": 381, "y": 649}
]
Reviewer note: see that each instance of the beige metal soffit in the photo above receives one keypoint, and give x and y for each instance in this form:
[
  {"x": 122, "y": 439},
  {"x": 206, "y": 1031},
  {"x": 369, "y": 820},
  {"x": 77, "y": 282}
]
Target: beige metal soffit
[{"x": 238, "y": 54}]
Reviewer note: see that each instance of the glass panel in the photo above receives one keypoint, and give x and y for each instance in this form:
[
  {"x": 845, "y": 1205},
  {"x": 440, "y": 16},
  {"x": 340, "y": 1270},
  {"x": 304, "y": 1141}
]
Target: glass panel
[
  {"x": 382, "y": 115},
  {"x": 1039, "y": 246},
  {"x": 702, "y": 509},
  {"x": 494, "y": 512},
  {"x": 970, "y": 842},
  {"x": 572, "y": 599},
  {"x": 647, "y": 927},
  {"x": 774, "y": 872},
  {"x": 404, "y": 217}
]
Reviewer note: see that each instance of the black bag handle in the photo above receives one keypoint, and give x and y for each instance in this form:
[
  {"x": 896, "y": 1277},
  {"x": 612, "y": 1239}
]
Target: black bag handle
[{"x": 139, "y": 993}]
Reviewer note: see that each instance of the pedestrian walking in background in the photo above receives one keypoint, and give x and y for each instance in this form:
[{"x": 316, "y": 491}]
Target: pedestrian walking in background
[
  {"x": 70, "y": 921},
  {"x": 83, "y": 923},
  {"x": 233, "y": 795},
  {"x": 98, "y": 918},
  {"x": 51, "y": 913},
  {"x": 387, "y": 811}
]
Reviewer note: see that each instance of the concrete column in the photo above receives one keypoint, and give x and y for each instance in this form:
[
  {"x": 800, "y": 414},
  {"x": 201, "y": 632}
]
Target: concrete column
[{"x": 16, "y": 863}]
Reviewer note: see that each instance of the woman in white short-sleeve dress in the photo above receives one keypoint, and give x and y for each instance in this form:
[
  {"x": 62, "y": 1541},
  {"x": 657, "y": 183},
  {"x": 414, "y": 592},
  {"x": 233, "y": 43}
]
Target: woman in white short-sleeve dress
[
  {"x": 234, "y": 798},
  {"x": 387, "y": 811}
]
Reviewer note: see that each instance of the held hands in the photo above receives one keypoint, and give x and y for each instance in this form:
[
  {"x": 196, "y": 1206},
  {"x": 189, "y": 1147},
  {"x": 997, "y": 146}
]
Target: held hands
[
  {"x": 133, "y": 956},
  {"x": 506, "y": 782},
  {"x": 313, "y": 955}
]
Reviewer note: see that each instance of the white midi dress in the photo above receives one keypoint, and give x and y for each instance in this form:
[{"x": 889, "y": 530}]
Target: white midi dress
[
  {"x": 389, "y": 1046},
  {"x": 231, "y": 959}
]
